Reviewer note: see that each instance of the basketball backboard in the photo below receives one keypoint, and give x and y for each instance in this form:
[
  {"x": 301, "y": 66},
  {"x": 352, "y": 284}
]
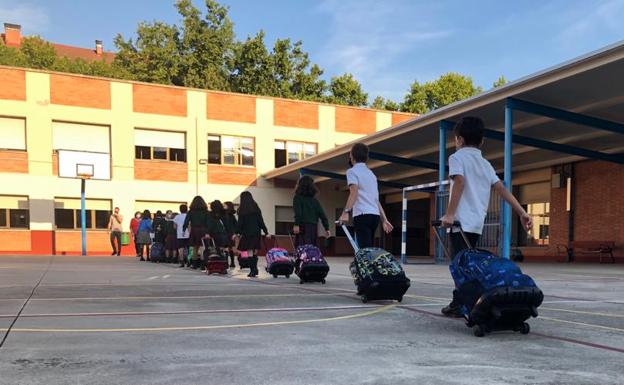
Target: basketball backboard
[{"x": 83, "y": 164}]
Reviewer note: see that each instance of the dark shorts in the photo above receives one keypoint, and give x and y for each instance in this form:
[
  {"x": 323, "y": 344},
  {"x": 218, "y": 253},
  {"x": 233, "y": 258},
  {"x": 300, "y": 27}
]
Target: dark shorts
[
  {"x": 197, "y": 235},
  {"x": 308, "y": 234},
  {"x": 249, "y": 243},
  {"x": 171, "y": 243},
  {"x": 182, "y": 243}
]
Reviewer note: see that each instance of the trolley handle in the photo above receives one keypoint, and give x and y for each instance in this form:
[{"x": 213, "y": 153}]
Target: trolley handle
[
  {"x": 352, "y": 241},
  {"x": 437, "y": 224}
]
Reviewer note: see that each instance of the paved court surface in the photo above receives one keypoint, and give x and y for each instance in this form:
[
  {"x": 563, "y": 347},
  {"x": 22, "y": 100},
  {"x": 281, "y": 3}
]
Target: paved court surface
[{"x": 117, "y": 321}]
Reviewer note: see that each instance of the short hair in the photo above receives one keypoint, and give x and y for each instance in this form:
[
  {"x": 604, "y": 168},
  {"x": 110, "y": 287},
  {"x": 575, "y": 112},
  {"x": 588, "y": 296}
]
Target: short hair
[
  {"x": 471, "y": 129},
  {"x": 116, "y": 208},
  {"x": 359, "y": 152},
  {"x": 183, "y": 209}
]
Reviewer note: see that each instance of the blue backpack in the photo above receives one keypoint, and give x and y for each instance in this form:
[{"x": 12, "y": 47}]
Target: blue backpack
[{"x": 489, "y": 270}]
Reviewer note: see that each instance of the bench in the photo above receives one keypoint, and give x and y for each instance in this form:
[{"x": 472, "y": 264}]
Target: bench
[{"x": 602, "y": 248}]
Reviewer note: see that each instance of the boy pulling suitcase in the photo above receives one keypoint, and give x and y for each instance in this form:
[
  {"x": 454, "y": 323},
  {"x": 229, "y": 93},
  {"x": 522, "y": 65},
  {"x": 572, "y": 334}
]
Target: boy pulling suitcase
[{"x": 472, "y": 178}]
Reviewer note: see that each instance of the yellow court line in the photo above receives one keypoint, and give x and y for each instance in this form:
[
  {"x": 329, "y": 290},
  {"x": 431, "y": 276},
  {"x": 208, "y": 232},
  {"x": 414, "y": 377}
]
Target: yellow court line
[
  {"x": 212, "y": 327},
  {"x": 584, "y": 312},
  {"x": 581, "y": 324}
]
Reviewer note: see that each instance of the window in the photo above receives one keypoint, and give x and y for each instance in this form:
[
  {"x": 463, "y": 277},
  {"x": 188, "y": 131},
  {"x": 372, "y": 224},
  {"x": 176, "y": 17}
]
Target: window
[
  {"x": 67, "y": 213},
  {"x": 287, "y": 152},
  {"x": 160, "y": 145},
  {"x": 14, "y": 212},
  {"x": 284, "y": 220},
  {"x": 535, "y": 199},
  {"x": 12, "y": 134},
  {"x": 231, "y": 150}
]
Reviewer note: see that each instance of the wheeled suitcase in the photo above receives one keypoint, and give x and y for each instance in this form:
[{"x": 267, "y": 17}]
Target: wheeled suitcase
[
  {"x": 245, "y": 261},
  {"x": 278, "y": 262},
  {"x": 310, "y": 266},
  {"x": 493, "y": 292},
  {"x": 214, "y": 259},
  {"x": 376, "y": 273},
  {"x": 157, "y": 252}
]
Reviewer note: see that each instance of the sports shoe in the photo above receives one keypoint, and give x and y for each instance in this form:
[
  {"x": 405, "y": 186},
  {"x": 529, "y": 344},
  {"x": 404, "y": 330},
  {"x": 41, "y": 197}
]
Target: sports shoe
[{"x": 452, "y": 310}]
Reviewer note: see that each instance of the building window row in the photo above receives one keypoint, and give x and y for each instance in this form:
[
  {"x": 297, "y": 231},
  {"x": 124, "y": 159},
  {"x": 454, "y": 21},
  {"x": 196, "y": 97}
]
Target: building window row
[
  {"x": 231, "y": 150},
  {"x": 14, "y": 212},
  {"x": 287, "y": 152}
]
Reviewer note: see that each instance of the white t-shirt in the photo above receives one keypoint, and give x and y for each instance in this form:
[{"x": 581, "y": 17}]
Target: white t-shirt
[
  {"x": 479, "y": 177},
  {"x": 179, "y": 221},
  {"x": 368, "y": 193}
]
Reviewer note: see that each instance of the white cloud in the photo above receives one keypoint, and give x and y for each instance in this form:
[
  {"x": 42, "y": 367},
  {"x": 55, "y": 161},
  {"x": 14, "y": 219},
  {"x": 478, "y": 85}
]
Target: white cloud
[
  {"x": 368, "y": 37},
  {"x": 33, "y": 18}
]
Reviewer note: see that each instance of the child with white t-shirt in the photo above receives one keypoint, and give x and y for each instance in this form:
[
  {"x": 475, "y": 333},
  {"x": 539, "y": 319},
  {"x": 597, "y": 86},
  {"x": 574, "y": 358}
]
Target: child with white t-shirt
[{"x": 472, "y": 179}]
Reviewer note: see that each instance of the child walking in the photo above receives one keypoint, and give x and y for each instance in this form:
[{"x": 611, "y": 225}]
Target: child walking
[
  {"x": 250, "y": 228},
  {"x": 143, "y": 238},
  {"x": 230, "y": 222},
  {"x": 472, "y": 179},
  {"x": 196, "y": 219},
  {"x": 308, "y": 212}
]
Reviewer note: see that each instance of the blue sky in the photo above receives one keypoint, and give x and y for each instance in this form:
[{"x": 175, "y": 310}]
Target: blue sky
[{"x": 385, "y": 44}]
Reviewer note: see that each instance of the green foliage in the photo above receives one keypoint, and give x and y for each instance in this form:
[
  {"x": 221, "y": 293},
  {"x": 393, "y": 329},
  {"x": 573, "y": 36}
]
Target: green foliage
[
  {"x": 447, "y": 89},
  {"x": 384, "y": 104},
  {"x": 346, "y": 90},
  {"x": 501, "y": 81}
]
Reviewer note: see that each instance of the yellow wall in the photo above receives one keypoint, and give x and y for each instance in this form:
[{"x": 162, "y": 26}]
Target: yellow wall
[{"x": 41, "y": 186}]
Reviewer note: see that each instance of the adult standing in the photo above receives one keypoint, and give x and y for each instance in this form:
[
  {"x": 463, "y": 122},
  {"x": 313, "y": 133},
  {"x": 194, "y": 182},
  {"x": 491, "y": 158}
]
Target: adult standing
[
  {"x": 183, "y": 235},
  {"x": 363, "y": 201},
  {"x": 134, "y": 229},
  {"x": 115, "y": 227}
]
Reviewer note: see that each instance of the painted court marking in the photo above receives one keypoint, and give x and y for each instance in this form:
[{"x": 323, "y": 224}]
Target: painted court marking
[{"x": 207, "y": 327}]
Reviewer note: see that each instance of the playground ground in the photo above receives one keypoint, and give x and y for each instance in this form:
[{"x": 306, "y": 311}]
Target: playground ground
[{"x": 108, "y": 320}]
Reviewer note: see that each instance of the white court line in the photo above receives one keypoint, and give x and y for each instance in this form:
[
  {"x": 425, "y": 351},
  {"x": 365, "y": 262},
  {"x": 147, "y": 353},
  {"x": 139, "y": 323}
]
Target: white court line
[
  {"x": 166, "y": 276},
  {"x": 154, "y": 277}
]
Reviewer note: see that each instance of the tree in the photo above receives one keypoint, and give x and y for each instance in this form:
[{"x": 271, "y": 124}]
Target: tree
[
  {"x": 154, "y": 56},
  {"x": 447, "y": 89},
  {"x": 346, "y": 90},
  {"x": 292, "y": 73},
  {"x": 384, "y": 104},
  {"x": 501, "y": 81},
  {"x": 251, "y": 68},
  {"x": 37, "y": 53}
]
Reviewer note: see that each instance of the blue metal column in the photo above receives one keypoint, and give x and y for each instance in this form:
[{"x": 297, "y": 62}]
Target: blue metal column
[
  {"x": 83, "y": 217},
  {"x": 507, "y": 167},
  {"x": 404, "y": 228},
  {"x": 444, "y": 125}
]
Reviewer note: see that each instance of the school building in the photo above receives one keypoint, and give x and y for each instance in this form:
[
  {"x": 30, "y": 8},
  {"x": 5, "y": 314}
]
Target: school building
[{"x": 151, "y": 147}]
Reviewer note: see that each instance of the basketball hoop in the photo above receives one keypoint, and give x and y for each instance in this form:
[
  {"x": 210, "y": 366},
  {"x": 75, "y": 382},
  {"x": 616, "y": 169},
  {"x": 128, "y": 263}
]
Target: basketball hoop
[{"x": 84, "y": 171}]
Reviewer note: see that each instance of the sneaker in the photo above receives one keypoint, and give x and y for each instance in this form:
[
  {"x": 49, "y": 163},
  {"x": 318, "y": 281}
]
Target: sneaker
[
  {"x": 114, "y": 253},
  {"x": 452, "y": 310},
  {"x": 142, "y": 259}
]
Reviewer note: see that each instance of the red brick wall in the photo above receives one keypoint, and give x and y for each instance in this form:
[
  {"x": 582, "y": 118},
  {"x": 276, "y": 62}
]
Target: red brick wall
[
  {"x": 236, "y": 175},
  {"x": 13, "y": 84},
  {"x": 229, "y": 107},
  {"x": 398, "y": 118},
  {"x": 55, "y": 165},
  {"x": 295, "y": 114},
  {"x": 80, "y": 92},
  {"x": 15, "y": 240},
  {"x": 14, "y": 161},
  {"x": 158, "y": 100},
  {"x": 160, "y": 170},
  {"x": 599, "y": 205},
  {"x": 355, "y": 121}
]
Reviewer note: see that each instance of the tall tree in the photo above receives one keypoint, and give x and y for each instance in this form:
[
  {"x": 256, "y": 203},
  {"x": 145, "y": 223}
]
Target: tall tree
[
  {"x": 292, "y": 73},
  {"x": 381, "y": 103},
  {"x": 501, "y": 81},
  {"x": 37, "y": 53},
  {"x": 347, "y": 90},
  {"x": 154, "y": 56},
  {"x": 447, "y": 89},
  {"x": 251, "y": 68}
]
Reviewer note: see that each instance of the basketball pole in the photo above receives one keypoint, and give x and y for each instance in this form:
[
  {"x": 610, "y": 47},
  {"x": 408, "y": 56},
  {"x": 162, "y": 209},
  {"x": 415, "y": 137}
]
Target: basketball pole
[{"x": 83, "y": 216}]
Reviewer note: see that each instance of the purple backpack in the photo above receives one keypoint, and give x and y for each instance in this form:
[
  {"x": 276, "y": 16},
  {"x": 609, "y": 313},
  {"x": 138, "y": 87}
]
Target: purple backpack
[
  {"x": 277, "y": 255},
  {"x": 309, "y": 254}
]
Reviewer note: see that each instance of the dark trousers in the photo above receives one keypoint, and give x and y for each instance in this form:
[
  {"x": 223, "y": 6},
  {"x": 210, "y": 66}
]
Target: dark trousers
[
  {"x": 458, "y": 244},
  {"x": 308, "y": 234},
  {"x": 365, "y": 226},
  {"x": 137, "y": 246},
  {"x": 116, "y": 236}
]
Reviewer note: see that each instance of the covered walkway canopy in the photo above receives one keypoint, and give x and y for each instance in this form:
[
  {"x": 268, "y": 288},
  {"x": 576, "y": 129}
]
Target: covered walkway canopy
[{"x": 563, "y": 114}]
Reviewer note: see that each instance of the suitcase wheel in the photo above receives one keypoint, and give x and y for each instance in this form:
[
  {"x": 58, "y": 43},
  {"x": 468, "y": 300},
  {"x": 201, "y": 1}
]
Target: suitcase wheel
[
  {"x": 287, "y": 275},
  {"x": 301, "y": 281},
  {"x": 525, "y": 328},
  {"x": 400, "y": 299},
  {"x": 364, "y": 298},
  {"x": 274, "y": 275},
  {"x": 323, "y": 281},
  {"x": 478, "y": 330}
]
